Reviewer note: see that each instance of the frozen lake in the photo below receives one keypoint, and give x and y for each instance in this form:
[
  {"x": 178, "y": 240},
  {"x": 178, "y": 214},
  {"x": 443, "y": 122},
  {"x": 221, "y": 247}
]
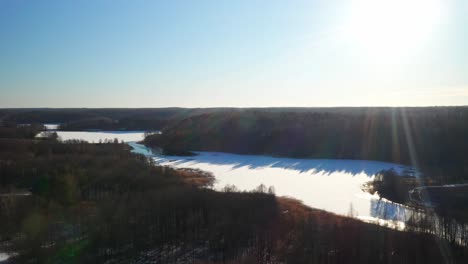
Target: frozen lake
[
  {"x": 332, "y": 185},
  {"x": 96, "y": 136},
  {"x": 51, "y": 126}
]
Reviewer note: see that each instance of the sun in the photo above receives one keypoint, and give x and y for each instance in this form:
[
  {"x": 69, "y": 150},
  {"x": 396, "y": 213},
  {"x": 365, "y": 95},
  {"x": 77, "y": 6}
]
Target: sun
[{"x": 391, "y": 28}]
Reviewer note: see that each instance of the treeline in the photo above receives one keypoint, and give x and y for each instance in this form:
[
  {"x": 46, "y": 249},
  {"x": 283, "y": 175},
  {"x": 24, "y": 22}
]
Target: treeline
[
  {"x": 63, "y": 115},
  {"x": 13, "y": 130},
  {"x": 433, "y": 139},
  {"x": 104, "y": 118}
]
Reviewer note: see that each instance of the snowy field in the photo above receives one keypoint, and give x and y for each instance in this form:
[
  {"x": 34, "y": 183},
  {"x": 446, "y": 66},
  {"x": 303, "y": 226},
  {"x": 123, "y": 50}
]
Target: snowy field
[{"x": 332, "y": 185}]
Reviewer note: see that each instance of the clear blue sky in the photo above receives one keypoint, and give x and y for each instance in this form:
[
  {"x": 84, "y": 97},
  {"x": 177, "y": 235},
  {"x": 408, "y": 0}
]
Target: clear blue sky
[{"x": 206, "y": 53}]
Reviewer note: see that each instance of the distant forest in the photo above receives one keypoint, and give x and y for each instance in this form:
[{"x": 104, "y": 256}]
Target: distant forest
[
  {"x": 432, "y": 139},
  {"x": 76, "y": 202},
  {"x": 104, "y": 119}
]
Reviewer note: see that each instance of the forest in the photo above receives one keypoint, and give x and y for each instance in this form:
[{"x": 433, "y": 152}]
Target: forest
[
  {"x": 433, "y": 140},
  {"x": 102, "y": 119},
  {"x": 75, "y": 202}
]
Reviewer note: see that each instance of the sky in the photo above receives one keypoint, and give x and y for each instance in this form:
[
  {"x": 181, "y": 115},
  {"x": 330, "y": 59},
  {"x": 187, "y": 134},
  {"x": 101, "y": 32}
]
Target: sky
[{"x": 243, "y": 53}]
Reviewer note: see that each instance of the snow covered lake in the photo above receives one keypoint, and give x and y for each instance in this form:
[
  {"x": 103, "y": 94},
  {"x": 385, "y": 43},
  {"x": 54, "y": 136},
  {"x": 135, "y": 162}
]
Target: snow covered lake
[
  {"x": 332, "y": 185},
  {"x": 96, "y": 136},
  {"x": 51, "y": 126}
]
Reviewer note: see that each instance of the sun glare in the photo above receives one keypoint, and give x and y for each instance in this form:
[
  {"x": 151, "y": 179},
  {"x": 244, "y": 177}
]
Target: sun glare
[{"x": 391, "y": 28}]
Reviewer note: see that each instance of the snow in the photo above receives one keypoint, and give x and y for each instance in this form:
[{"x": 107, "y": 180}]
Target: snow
[
  {"x": 96, "y": 136},
  {"x": 15, "y": 194},
  {"x": 4, "y": 256},
  {"x": 51, "y": 126},
  {"x": 141, "y": 149},
  {"x": 332, "y": 185}
]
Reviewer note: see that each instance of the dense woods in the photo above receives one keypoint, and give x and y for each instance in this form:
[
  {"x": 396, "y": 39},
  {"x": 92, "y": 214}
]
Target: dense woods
[
  {"x": 104, "y": 119},
  {"x": 76, "y": 202},
  {"x": 13, "y": 130},
  {"x": 432, "y": 139}
]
